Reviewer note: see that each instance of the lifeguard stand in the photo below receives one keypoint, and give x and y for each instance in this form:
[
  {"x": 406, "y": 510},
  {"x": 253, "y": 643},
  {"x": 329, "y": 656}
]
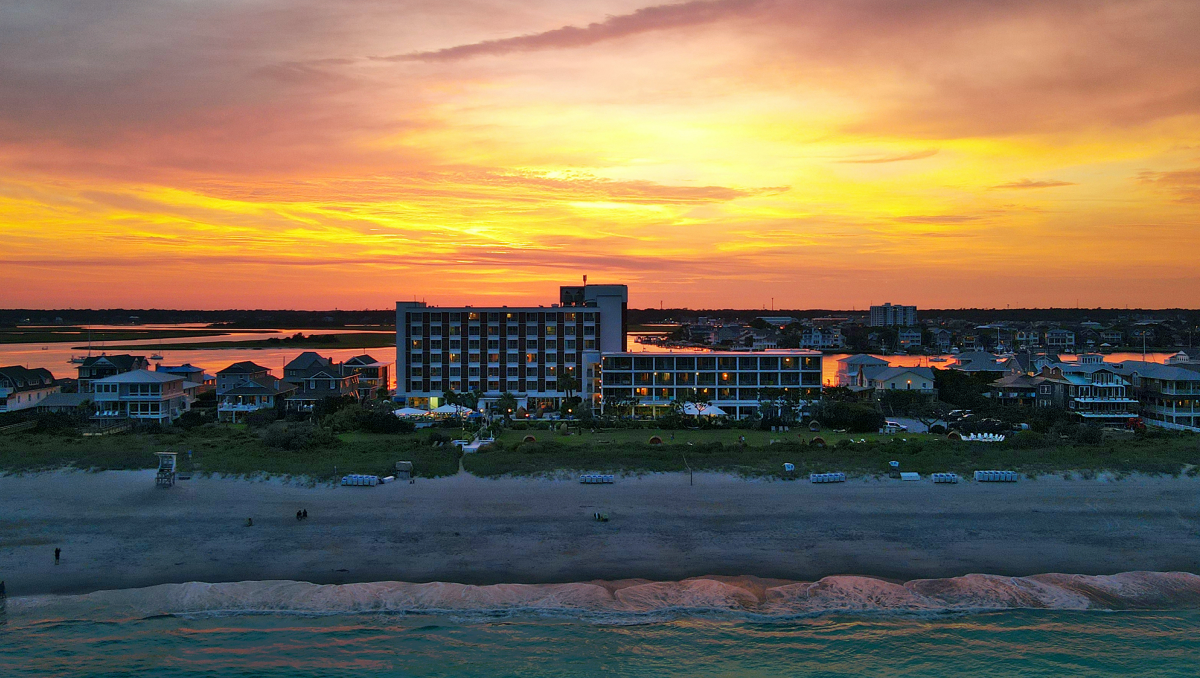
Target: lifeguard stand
[{"x": 166, "y": 469}]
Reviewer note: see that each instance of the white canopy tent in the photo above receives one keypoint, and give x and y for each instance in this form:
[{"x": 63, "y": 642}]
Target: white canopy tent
[
  {"x": 410, "y": 412},
  {"x": 694, "y": 410},
  {"x": 453, "y": 409}
]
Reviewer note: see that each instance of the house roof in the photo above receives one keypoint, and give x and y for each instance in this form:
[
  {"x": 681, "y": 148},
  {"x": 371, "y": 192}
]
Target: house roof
[
  {"x": 1155, "y": 371},
  {"x": 362, "y": 361},
  {"x": 1018, "y": 381},
  {"x": 888, "y": 373},
  {"x": 244, "y": 367},
  {"x": 23, "y": 379},
  {"x": 65, "y": 400},
  {"x": 982, "y": 361},
  {"x": 262, "y": 386},
  {"x": 141, "y": 377},
  {"x": 122, "y": 361},
  {"x": 307, "y": 360},
  {"x": 863, "y": 359}
]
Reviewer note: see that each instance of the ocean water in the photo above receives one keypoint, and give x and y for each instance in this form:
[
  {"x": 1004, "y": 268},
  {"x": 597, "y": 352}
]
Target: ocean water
[
  {"x": 840, "y": 626},
  {"x": 1009, "y": 643}
]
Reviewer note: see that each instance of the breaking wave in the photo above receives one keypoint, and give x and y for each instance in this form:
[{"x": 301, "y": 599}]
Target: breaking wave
[{"x": 633, "y": 599}]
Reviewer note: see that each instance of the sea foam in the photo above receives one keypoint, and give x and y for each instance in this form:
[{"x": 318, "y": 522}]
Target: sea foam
[{"x": 742, "y": 596}]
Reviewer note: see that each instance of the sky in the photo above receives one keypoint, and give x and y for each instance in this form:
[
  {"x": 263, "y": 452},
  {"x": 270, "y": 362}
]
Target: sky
[{"x": 709, "y": 154}]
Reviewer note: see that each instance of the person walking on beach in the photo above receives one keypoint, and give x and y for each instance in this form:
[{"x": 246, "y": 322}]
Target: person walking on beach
[
  {"x": 298, "y": 516},
  {"x": 305, "y": 513},
  {"x": 57, "y": 553}
]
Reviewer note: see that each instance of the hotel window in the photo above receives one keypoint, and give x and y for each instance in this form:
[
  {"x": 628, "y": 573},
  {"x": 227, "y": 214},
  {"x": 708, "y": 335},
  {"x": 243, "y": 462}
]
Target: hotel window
[
  {"x": 551, "y": 370},
  {"x": 513, "y": 344},
  {"x": 706, "y": 363},
  {"x": 493, "y": 344},
  {"x": 551, "y": 330},
  {"x": 512, "y": 330},
  {"x": 589, "y": 317},
  {"x": 726, "y": 364},
  {"x": 454, "y": 371},
  {"x": 416, "y": 371},
  {"x": 455, "y": 330},
  {"x": 589, "y": 330},
  {"x": 473, "y": 330},
  {"x": 435, "y": 372},
  {"x": 748, "y": 378},
  {"x": 493, "y": 372},
  {"x": 551, "y": 345},
  {"x": 531, "y": 357},
  {"x": 435, "y": 344},
  {"x": 416, "y": 344},
  {"x": 727, "y": 378},
  {"x": 570, "y": 345},
  {"x": 435, "y": 386},
  {"x": 455, "y": 385},
  {"x": 589, "y": 344},
  {"x": 789, "y": 363},
  {"x": 531, "y": 386},
  {"x": 768, "y": 379},
  {"x": 569, "y": 317},
  {"x": 514, "y": 372},
  {"x": 493, "y": 330},
  {"x": 513, "y": 357},
  {"x": 569, "y": 330},
  {"x": 473, "y": 316},
  {"x": 455, "y": 357},
  {"x": 768, "y": 363},
  {"x": 493, "y": 317},
  {"x": 455, "y": 345},
  {"x": 514, "y": 386},
  {"x": 416, "y": 386},
  {"x": 643, "y": 392},
  {"x": 493, "y": 385},
  {"x": 473, "y": 371},
  {"x": 493, "y": 357}
]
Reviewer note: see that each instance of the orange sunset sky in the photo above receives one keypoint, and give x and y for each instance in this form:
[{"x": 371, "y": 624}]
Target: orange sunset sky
[{"x": 316, "y": 154}]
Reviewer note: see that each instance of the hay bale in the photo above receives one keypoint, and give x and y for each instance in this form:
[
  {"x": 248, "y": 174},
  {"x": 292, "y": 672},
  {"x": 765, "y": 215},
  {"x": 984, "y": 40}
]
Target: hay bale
[
  {"x": 529, "y": 439},
  {"x": 817, "y": 441},
  {"x": 655, "y": 440}
]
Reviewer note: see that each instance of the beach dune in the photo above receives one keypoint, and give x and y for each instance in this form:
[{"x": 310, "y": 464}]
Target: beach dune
[{"x": 117, "y": 530}]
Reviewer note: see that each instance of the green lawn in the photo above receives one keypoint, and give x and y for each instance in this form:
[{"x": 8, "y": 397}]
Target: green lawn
[
  {"x": 237, "y": 450},
  {"x": 227, "y": 450}
]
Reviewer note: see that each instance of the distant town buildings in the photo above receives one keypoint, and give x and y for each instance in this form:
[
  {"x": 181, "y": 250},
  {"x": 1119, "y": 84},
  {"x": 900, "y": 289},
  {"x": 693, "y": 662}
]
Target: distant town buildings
[{"x": 888, "y": 315}]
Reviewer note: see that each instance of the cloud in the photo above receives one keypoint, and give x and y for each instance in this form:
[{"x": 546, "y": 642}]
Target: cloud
[
  {"x": 645, "y": 20},
  {"x": 937, "y": 219},
  {"x": 918, "y": 155},
  {"x": 1184, "y": 184},
  {"x": 1030, "y": 183}
]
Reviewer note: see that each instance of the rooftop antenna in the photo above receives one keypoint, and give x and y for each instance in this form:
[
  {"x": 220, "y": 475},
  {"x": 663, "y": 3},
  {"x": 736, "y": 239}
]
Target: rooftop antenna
[{"x": 585, "y": 279}]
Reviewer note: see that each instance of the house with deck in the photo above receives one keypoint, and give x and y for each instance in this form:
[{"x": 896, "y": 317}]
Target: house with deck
[{"x": 141, "y": 395}]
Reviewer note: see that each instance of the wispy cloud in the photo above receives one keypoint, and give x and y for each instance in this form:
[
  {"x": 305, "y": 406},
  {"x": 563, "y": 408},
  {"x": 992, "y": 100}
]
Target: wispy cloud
[
  {"x": 938, "y": 219},
  {"x": 645, "y": 20},
  {"x": 918, "y": 155},
  {"x": 1185, "y": 184},
  {"x": 1030, "y": 183}
]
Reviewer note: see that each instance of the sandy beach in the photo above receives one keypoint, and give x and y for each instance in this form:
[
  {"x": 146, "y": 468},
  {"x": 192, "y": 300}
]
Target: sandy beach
[{"x": 117, "y": 530}]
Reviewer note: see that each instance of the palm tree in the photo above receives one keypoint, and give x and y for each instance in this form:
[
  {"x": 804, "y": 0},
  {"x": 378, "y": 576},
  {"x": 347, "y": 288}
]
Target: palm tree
[{"x": 507, "y": 404}]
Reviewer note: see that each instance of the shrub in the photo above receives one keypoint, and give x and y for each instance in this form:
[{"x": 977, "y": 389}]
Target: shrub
[{"x": 298, "y": 436}]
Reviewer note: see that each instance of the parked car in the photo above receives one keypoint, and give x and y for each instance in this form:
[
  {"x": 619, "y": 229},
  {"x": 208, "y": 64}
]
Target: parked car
[{"x": 893, "y": 427}]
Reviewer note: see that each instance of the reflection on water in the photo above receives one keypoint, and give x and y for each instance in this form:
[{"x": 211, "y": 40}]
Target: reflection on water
[{"x": 55, "y": 356}]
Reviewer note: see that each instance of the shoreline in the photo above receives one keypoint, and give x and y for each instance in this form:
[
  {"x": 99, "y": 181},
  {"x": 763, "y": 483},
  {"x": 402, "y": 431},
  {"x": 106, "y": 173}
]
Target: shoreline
[{"x": 118, "y": 531}]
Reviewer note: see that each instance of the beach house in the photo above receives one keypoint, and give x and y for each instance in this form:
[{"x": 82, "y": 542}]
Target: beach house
[
  {"x": 240, "y": 373},
  {"x": 1168, "y": 396},
  {"x": 262, "y": 393},
  {"x": 373, "y": 375},
  {"x": 98, "y": 367},
  {"x": 141, "y": 395},
  {"x": 22, "y": 388},
  {"x": 1095, "y": 391},
  {"x": 317, "y": 378}
]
